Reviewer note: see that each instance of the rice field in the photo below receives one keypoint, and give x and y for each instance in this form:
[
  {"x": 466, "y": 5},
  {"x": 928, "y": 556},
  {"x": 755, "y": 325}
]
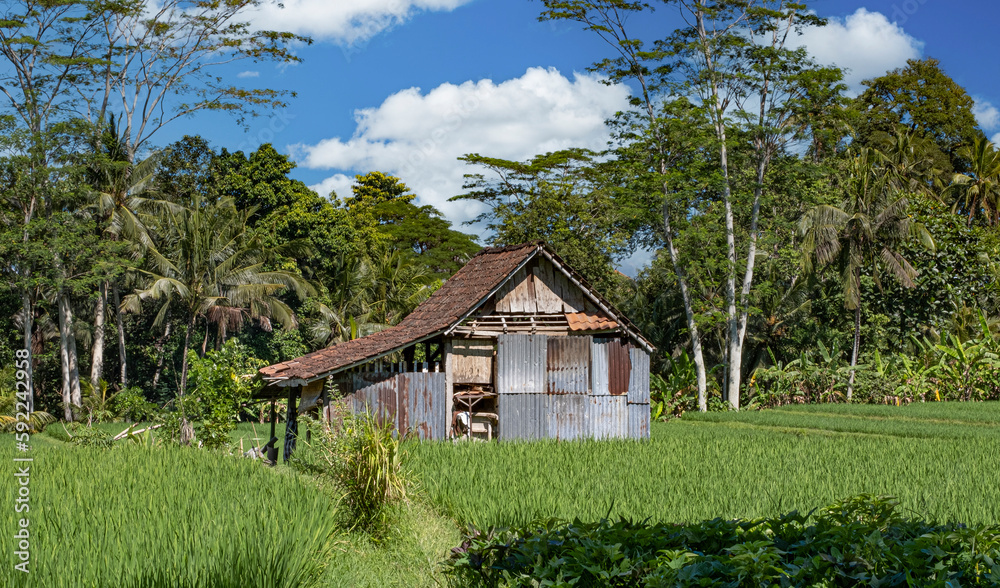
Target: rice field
[
  {"x": 136, "y": 517},
  {"x": 941, "y": 460}
]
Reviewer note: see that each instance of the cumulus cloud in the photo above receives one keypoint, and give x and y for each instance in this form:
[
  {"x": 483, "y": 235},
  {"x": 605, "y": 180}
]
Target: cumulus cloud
[
  {"x": 986, "y": 114},
  {"x": 337, "y": 183},
  {"x": 996, "y": 140},
  {"x": 248, "y": 74},
  {"x": 419, "y": 136},
  {"x": 865, "y": 43},
  {"x": 344, "y": 22}
]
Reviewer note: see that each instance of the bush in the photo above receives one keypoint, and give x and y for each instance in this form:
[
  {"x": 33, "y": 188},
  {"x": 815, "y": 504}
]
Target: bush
[
  {"x": 220, "y": 384},
  {"x": 364, "y": 460},
  {"x": 131, "y": 405},
  {"x": 858, "y": 541}
]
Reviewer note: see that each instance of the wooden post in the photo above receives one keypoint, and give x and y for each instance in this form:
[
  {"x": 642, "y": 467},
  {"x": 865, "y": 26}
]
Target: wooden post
[
  {"x": 274, "y": 418},
  {"x": 291, "y": 424},
  {"x": 449, "y": 385}
]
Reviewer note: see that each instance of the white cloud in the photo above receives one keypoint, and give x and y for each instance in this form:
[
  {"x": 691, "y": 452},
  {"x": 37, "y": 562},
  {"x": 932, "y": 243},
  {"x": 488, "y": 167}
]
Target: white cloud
[
  {"x": 342, "y": 21},
  {"x": 996, "y": 140},
  {"x": 986, "y": 114},
  {"x": 248, "y": 74},
  {"x": 865, "y": 43},
  {"x": 339, "y": 183},
  {"x": 419, "y": 136}
]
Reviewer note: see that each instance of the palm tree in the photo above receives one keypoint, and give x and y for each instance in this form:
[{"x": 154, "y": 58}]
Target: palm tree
[
  {"x": 115, "y": 181},
  {"x": 978, "y": 191},
  {"x": 207, "y": 259},
  {"x": 370, "y": 294},
  {"x": 864, "y": 234}
]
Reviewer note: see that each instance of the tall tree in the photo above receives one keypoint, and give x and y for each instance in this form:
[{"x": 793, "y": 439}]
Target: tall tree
[
  {"x": 978, "y": 192},
  {"x": 864, "y": 234}
]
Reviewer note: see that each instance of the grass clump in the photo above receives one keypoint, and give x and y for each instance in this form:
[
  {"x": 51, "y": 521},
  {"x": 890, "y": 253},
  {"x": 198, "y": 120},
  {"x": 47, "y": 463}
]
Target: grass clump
[{"x": 363, "y": 459}]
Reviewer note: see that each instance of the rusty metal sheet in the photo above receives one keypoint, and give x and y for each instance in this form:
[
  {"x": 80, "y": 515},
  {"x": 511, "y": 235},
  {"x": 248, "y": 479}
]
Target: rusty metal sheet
[
  {"x": 567, "y": 416},
  {"x": 521, "y": 364},
  {"x": 638, "y": 421},
  {"x": 522, "y": 416},
  {"x": 568, "y": 365},
  {"x": 638, "y": 382},
  {"x": 422, "y": 404},
  {"x": 607, "y": 417},
  {"x": 619, "y": 367},
  {"x": 599, "y": 384}
]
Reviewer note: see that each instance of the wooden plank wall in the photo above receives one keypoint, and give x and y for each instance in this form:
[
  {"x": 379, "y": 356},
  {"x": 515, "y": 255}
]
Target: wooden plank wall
[
  {"x": 540, "y": 288},
  {"x": 473, "y": 361}
]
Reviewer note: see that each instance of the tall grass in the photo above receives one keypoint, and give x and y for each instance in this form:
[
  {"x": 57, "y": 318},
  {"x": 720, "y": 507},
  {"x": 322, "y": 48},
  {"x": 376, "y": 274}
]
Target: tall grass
[
  {"x": 702, "y": 470},
  {"x": 167, "y": 517}
]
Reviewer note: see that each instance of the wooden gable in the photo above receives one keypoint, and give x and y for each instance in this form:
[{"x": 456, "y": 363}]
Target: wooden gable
[{"x": 540, "y": 288}]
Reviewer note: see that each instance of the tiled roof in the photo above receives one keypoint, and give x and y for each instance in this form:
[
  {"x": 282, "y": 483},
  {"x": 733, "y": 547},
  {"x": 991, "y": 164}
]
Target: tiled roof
[
  {"x": 589, "y": 321},
  {"x": 457, "y": 296}
]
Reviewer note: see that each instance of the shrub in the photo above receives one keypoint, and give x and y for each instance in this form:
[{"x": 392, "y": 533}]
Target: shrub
[
  {"x": 221, "y": 383},
  {"x": 857, "y": 541},
  {"x": 131, "y": 405},
  {"x": 364, "y": 460}
]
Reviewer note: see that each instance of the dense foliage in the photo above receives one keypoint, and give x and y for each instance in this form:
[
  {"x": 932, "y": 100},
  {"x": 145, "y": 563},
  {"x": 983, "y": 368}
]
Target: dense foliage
[{"x": 860, "y": 540}]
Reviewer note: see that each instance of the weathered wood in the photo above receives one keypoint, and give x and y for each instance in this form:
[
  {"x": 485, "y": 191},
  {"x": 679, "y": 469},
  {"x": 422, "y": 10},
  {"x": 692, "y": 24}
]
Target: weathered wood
[
  {"x": 291, "y": 424},
  {"x": 449, "y": 383},
  {"x": 472, "y": 361},
  {"x": 310, "y": 394},
  {"x": 546, "y": 299}
]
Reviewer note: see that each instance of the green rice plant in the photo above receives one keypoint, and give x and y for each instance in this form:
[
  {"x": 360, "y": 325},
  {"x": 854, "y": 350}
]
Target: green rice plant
[
  {"x": 134, "y": 517},
  {"x": 729, "y": 465}
]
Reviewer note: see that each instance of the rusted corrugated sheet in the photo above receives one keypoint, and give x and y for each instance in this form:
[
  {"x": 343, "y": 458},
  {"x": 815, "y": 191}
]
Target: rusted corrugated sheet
[
  {"x": 521, "y": 364},
  {"x": 619, "y": 367},
  {"x": 422, "y": 402},
  {"x": 568, "y": 365},
  {"x": 599, "y": 367},
  {"x": 638, "y": 382},
  {"x": 607, "y": 417},
  {"x": 638, "y": 421},
  {"x": 522, "y": 416},
  {"x": 567, "y": 416}
]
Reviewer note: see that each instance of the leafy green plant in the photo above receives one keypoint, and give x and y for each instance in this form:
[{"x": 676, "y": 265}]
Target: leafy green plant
[
  {"x": 364, "y": 459},
  {"x": 97, "y": 403},
  {"x": 861, "y": 540},
  {"x": 221, "y": 383},
  {"x": 37, "y": 420},
  {"x": 131, "y": 405}
]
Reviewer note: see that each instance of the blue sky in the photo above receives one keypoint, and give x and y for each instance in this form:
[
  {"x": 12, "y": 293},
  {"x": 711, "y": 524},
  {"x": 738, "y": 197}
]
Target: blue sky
[{"x": 406, "y": 86}]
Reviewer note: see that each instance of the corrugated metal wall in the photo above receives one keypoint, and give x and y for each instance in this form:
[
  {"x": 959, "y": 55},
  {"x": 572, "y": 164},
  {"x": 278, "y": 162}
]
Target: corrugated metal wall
[
  {"x": 521, "y": 364},
  {"x": 638, "y": 382},
  {"x": 590, "y": 384},
  {"x": 599, "y": 384},
  {"x": 568, "y": 364},
  {"x": 638, "y": 421},
  {"x": 567, "y": 416},
  {"x": 523, "y": 416},
  {"x": 607, "y": 417},
  {"x": 411, "y": 401}
]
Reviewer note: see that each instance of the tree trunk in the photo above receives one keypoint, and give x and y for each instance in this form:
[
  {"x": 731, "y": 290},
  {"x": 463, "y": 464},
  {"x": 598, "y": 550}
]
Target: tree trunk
[
  {"x": 72, "y": 396},
  {"x": 120, "y": 322},
  {"x": 187, "y": 431},
  {"x": 854, "y": 353},
  {"x": 159, "y": 353},
  {"x": 97, "y": 350},
  {"x": 28, "y": 327},
  {"x": 733, "y": 353}
]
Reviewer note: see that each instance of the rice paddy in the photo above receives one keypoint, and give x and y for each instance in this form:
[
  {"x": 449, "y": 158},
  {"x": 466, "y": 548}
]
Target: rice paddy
[{"x": 941, "y": 460}]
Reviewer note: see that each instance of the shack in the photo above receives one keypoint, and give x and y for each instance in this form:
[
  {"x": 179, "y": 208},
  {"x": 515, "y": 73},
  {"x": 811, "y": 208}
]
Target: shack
[{"x": 515, "y": 345}]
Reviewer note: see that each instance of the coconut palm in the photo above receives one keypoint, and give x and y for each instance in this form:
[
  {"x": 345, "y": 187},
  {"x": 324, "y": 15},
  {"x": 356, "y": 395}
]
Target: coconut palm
[
  {"x": 205, "y": 258},
  {"x": 979, "y": 190},
  {"x": 864, "y": 234},
  {"x": 116, "y": 182}
]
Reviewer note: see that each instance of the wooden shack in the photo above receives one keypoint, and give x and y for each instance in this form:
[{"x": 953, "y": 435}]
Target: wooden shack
[{"x": 515, "y": 345}]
